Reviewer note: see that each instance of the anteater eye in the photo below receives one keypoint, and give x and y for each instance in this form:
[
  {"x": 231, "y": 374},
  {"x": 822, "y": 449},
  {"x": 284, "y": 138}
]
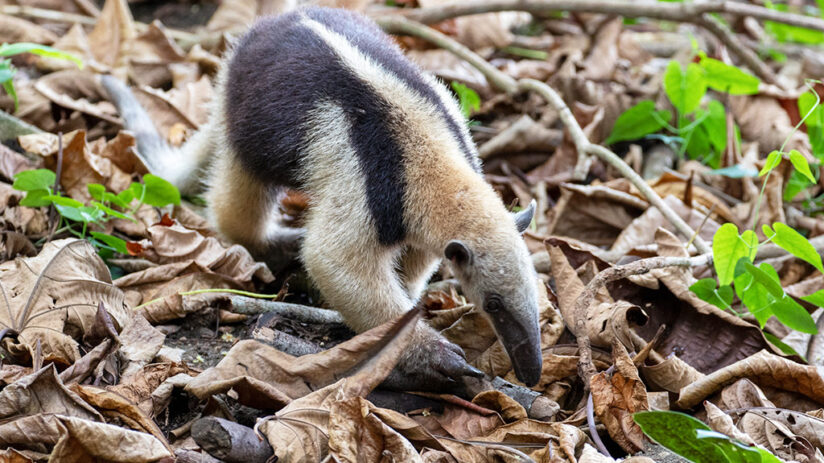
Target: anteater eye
[{"x": 493, "y": 304}]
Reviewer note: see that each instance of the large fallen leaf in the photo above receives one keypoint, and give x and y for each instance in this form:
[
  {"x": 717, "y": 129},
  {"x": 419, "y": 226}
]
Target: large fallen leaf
[
  {"x": 170, "y": 244},
  {"x": 764, "y": 369},
  {"x": 299, "y": 432},
  {"x": 267, "y": 378},
  {"x": 40, "y": 393},
  {"x": 52, "y": 299},
  {"x": 76, "y": 440}
]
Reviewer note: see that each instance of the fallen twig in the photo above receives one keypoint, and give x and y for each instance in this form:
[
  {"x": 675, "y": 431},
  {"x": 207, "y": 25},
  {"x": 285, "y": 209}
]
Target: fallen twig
[
  {"x": 399, "y": 25},
  {"x": 306, "y": 314},
  {"x": 229, "y": 441}
]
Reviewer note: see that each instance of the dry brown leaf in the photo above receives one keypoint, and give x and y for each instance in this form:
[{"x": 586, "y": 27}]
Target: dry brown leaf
[
  {"x": 762, "y": 368},
  {"x": 26, "y": 220},
  {"x": 723, "y": 423},
  {"x": 603, "y": 56},
  {"x": 267, "y": 378},
  {"x": 703, "y": 200},
  {"x": 593, "y": 214},
  {"x": 76, "y": 440},
  {"x": 449, "y": 67},
  {"x": 12, "y": 162},
  {"x": 186, "y": 106},
  {"x": 139, "y": 387},
  {"x": 75, "y": 42},
  {"x": 617, "y": 398},
  {"x": 175, "y": 244},
  {"x": 770, "y": 132},
  {"x": 642, "y": 230},
  {"x": 54, "y": 296},
  {"x": 40, "y": 393},
  {"x": 80, "y": 91},
  {"x": 13, "y": 30},
  {"x": 607, "y": 321},
  {"x": 356, "y": 434},
  {"x": 113, "y": 33},
  {"x": 673, "y": 374},
  {"x": 117, "y": 408},
  {"x": 139, "y": 344},
  {"x": 506, "y": 406},
  {"x": 298, "y": 431}
]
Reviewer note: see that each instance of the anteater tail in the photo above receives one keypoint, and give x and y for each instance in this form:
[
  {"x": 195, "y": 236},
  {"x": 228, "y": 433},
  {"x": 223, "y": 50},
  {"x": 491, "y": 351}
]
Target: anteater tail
[{"x": 180, "y": 166}]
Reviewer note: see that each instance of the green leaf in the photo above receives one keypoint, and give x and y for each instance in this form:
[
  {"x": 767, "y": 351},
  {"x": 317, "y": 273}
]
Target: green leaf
[
  {"x": 159, "y": 192},
  {"x": 638, "y": 121},
  {"x": 96, "y": 190},
  {"x": 716, "y": 126},
  {"x": 137, "y": 190},
  {"x": 678, "y": 432},
  {"x": 35, "y": 198},
  {"x": 816, "y": 298},
  {"x": 37, "y": 49},
  {"x": 767, "y": 277},
  {"x": 785, "y": 348},
  {"x": 112, "y": 198},
  {"x": 796, "y": 184},
  {"x": 684, "y": 89},
  {"x": 792, "y": 314},
  {"x": 6, "y": 71},
  {"x": 125, "y": 197},
  {"x": 728, "y": 247},
  {"x": 696, "y": 138},
  {"x": 801, "y": 165},
  {"x": 754, "y": 296},
  {"x": 793, "y": 242},
  {"x": 808, "y": 105},
  {"x": 730, "y": 79},
  {"x": 468, "y": 99},
  {"x": 773, "y": 159},
  {"x": 118, "y": 244},
  {"x": 735, "y": 451},
  {"x": 38, "y": 179},
  {"x": 720, "y": 297},
  {"x": 112, "y": 212},
  {"x": 8, "y": 86},
  {"x": 64, "y": 201}
]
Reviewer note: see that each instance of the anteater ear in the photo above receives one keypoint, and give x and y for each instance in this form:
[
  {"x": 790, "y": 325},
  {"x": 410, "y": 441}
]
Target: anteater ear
[
  {"x": 458, "y": 253},
  {"x": 524, "y": 217}
]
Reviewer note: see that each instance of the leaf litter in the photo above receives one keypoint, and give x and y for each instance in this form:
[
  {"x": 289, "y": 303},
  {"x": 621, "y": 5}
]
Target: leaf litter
[{"x": 118, "y": 359}]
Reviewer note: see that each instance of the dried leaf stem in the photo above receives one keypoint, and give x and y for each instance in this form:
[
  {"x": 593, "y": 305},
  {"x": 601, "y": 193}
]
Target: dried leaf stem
[{"x": 399, "y": 25}]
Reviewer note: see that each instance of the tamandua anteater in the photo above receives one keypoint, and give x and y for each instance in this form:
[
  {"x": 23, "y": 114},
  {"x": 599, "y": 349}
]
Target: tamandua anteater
[{"x": 322, "y": 101}]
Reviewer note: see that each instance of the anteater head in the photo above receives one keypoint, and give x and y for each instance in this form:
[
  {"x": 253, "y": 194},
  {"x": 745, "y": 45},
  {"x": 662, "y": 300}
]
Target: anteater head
[{"x": 497, "y": 275}]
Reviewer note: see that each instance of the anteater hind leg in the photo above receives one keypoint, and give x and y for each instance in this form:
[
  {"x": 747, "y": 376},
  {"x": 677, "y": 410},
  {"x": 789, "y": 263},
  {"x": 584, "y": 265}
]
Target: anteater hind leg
[{"x": 244, "y": 209}]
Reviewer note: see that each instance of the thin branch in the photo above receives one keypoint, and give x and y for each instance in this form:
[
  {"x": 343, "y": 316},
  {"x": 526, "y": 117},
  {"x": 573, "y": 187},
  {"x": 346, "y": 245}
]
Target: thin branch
[
  {"x": 399, "y": 25},
  {"x": 694, "y": 13},
  {"x": 630, "y": 8}
]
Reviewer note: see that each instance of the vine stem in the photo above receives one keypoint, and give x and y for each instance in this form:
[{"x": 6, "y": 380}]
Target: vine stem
[{"x": 212, "y": 290}]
